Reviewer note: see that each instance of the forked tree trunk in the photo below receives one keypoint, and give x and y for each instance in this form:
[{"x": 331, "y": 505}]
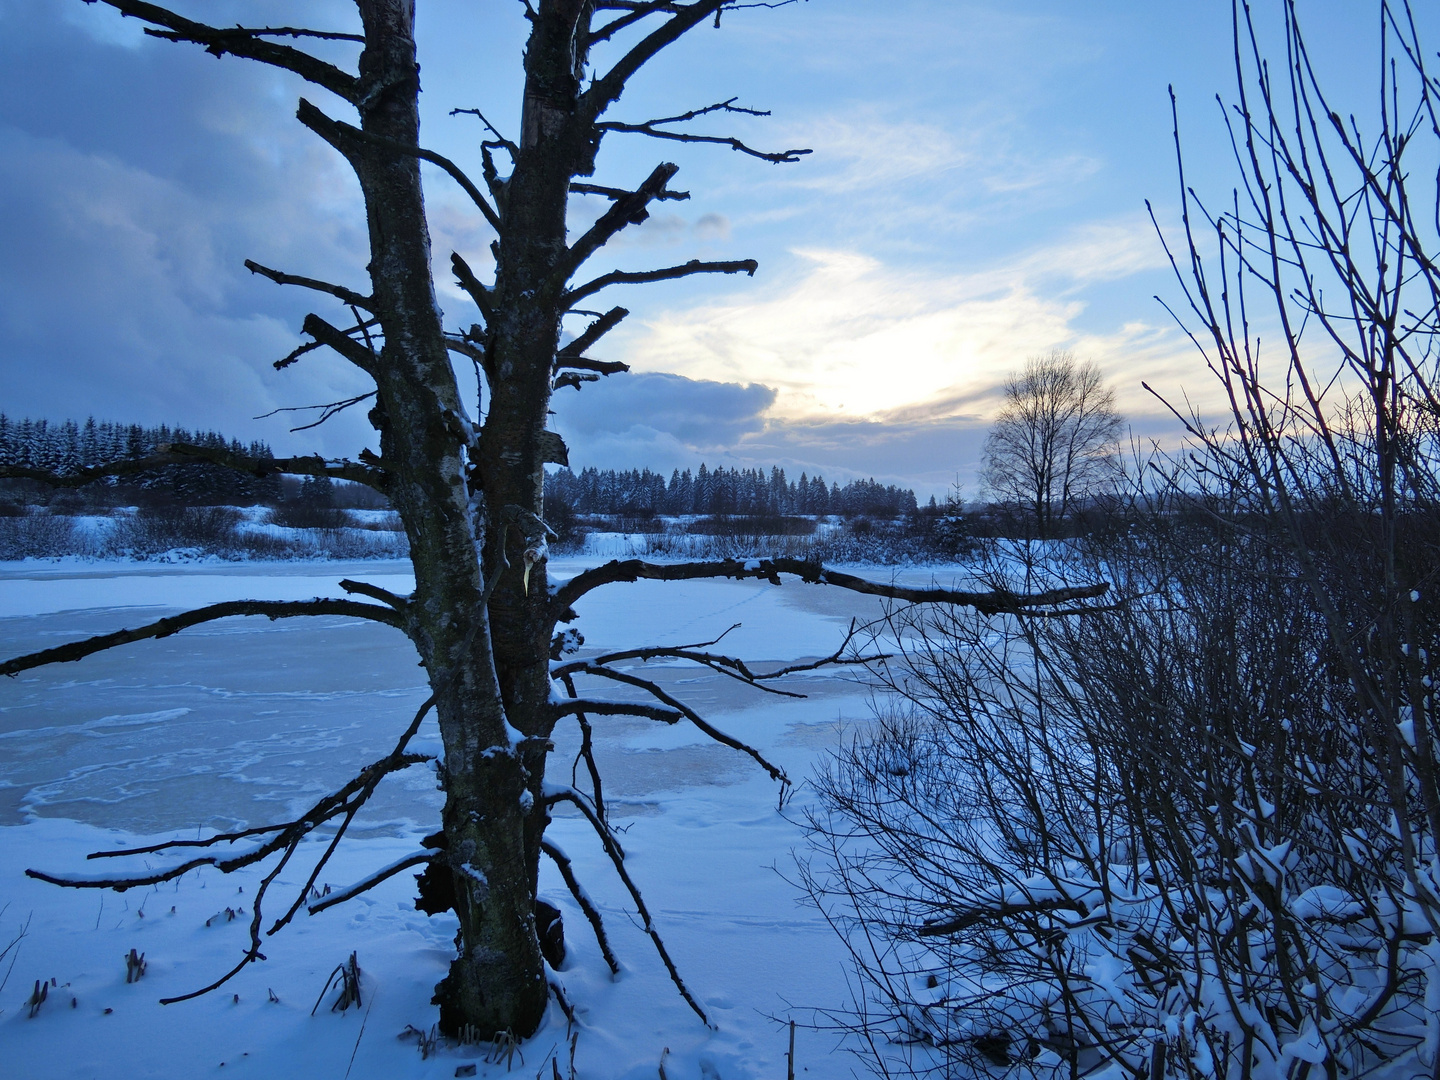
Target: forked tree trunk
[{"x": 484, "y": 668}]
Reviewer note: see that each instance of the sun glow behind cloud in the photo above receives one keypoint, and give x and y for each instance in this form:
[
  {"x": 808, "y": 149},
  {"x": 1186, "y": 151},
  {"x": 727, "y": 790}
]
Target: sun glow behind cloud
[{"x": 851, "y": 337}]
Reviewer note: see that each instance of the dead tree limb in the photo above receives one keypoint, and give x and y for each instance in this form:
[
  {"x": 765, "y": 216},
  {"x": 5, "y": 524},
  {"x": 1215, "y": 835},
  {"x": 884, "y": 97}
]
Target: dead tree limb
[
  {"x": 369, "y": 882},
  {"x": 620, "y": 193},
  {"x": 627, "y": 277},
  {"x": 347, "y": 800},
  {"x": 990, "y": 602},
  {"x": 617, "y": 857},
  {"x": 574, "y": 350},
  {"x": 732, "y": 667},
  {"x": 587, "y": 750},
  {"x": 238, "y": 41},
  {"x": 173, "y": 624},
  {"x": 629, "y": 209},
  {"x": 592, "y": 913},
  {"x": 345, "y": 137},
  {"x": 656, "y": 129},
  {"x": 349, "y": 296},
  {"x": 654, "y": 690}
]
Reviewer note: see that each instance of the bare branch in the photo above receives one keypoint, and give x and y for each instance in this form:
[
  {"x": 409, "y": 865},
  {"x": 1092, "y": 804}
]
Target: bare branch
[
  {"x": 654, "y": 690},
  {"x": 500, "y": 140},
  {"x": 624, "y": 277},
  {"x": 653, "y": 129},
  {"x": 634, "y": 13},
  {"x": 590, "y": 335},
  {"x": 296, "y": 32},
  {"x": 617, "y": 857},
  {"x": 239, "y": 41},
  {"x": 341, "y": 342},
  {"x": 271, "y": 609},
  {"x": 630, "y": 209},
  {"x": 295, "y": 354},
  {"x": 346, "y": 137},
  {"x": 600, "y": 367},
  {"x": 991, "y": 602},
  {"x": 349, "y": 296},
  {"x": 730, "y": 666},
  {"x": 327, "y": 411},
  {"x": 587, "y": 752},
  {"x": 472, "y": 285},
  {"x": 592, "y": 913},
  {"x": 606, "y": 89},
  {"x": 347, "y": 800},
  {"x": 620, "y": 193}
]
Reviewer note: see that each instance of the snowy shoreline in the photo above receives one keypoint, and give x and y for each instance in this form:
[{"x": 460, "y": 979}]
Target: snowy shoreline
[{"x": 243, "y": 720}]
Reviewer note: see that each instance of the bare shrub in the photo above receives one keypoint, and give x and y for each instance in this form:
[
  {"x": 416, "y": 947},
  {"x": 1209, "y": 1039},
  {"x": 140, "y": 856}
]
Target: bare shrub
[
  {"x": 37, "y": 536},
  {"x": 308, "y": 515},
  {"x": 1197, "y": 836}
]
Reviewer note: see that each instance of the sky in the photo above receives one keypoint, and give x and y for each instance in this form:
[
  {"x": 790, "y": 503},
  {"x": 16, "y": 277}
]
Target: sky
[{"x": 976, "y": 195}]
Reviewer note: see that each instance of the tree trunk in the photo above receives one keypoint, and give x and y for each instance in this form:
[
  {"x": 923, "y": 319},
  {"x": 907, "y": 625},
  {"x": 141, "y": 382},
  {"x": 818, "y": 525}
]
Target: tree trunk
[{"x": 497, "y": 982}]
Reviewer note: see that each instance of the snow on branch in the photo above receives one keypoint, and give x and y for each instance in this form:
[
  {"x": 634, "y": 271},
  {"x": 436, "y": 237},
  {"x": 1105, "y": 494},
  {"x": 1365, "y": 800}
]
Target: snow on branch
[
  {"x": 345, "y": 801},
  {"x": 592, "y": 913},
  {"x": 369, "y": 882}
]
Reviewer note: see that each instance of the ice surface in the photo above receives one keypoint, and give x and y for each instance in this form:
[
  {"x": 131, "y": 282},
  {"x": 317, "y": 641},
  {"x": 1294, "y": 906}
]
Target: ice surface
[{"x": 242, "y": 720}]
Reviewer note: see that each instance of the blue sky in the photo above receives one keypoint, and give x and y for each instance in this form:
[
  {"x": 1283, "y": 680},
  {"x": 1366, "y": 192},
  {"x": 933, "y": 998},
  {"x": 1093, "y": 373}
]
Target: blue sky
[{"x": 976, "y": 195}]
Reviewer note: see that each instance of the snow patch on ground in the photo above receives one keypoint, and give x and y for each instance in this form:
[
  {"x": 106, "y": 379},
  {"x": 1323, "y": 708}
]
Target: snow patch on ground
[{"x": 245, "y": 720}]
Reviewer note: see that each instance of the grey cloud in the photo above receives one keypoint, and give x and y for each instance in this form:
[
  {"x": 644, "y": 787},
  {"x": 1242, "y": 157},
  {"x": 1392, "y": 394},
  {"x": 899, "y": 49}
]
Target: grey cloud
[
  {"x": 667, "y": 422},
  {"x": 693, "y": 412},
  {"x": 135, "y": 178}
]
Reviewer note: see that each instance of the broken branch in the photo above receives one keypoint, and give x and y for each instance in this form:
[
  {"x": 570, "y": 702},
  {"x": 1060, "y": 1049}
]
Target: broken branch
[
  {"x": 349, "y": 296},
  {"x": 238, "y": 41}
]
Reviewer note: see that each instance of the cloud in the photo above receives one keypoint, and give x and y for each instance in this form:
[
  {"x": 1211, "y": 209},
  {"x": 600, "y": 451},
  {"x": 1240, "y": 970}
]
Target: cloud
[
  {"x": 697, "y": 412},
  {"x": 665, "y": 422},
  {"x": 135, "y": 178},
  {"x": 853, "y": 338}
]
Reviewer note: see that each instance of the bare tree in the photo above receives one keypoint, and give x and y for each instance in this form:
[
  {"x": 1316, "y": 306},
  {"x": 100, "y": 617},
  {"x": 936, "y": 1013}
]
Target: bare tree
[
  {"x": 1053, "y": 442},
  {"x": 468, "y": 484}
]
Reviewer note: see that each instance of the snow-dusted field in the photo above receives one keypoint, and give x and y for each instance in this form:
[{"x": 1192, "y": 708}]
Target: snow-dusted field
[{"x": 243, "y": 721}]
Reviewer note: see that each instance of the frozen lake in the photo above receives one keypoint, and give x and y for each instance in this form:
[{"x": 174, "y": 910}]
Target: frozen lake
[{"x": 241, "y": 721}]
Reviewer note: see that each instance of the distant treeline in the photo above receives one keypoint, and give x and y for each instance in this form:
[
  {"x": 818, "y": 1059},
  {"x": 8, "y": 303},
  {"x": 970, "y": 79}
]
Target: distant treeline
[
  {"x": 752, "y": 493},
  {"x": 69, "y": 447},
  {"x": 741, "y": 492}
]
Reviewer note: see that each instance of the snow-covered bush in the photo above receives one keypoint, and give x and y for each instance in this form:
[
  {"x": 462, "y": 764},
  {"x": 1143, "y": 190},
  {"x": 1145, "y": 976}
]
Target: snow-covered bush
[
  {"x": 1197, "y": 836},
  {"x": 1162, "y": 839}
]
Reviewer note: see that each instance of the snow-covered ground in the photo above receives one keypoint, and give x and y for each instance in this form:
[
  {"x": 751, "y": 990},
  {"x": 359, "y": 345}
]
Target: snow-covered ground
[{"x": 242, "y": 721}]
